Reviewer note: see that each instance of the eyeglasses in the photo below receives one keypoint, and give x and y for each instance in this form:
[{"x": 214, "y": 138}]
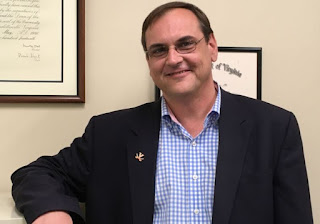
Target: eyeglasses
[{"x": 182, "y": 47}]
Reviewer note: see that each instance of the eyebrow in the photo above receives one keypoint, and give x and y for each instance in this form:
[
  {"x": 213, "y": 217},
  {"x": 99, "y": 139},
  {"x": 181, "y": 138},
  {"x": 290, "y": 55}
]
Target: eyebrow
[
  {"x": 182, "y": 39},
  {"x": 185, "y": 38},
  {"x": 156, "y": 45}
]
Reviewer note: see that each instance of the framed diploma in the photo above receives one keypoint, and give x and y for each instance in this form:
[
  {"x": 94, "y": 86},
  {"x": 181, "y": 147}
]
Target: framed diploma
[
  {"x": 42, "y": 51},
  {"x": 237, "y": 70}
]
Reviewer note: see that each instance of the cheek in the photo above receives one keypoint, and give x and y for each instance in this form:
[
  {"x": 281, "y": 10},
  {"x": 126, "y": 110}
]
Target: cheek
[
  {"x": 192, "y": 60},
  {"x": 201, "y": 66},
  {"x": 155, "y": 67},
  {"x": 197, "y": 63}
]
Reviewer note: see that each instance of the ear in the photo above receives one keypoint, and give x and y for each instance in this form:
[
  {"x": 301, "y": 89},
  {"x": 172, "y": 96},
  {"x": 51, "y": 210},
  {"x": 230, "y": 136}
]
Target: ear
[{"x": 212, "y": 43}]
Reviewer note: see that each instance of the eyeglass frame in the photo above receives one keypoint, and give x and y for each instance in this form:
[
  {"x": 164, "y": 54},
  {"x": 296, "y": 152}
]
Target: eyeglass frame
[{"x": 195, "y": 43}]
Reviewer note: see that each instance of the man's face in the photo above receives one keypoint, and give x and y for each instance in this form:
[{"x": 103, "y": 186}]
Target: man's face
[{"x": 180, "y": 74}]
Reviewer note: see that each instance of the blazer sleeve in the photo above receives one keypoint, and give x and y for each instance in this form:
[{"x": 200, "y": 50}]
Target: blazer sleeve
[
  {"x": 55, "y": 183},
  {"x": 291, "y": 191}
]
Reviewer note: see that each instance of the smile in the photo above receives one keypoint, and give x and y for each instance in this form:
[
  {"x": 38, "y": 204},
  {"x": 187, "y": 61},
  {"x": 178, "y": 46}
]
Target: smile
[{"x": 177, "y": 73}]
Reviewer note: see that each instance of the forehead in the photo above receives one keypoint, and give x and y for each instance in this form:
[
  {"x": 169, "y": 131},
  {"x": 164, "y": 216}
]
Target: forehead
[{"x": 173, "y": 25}]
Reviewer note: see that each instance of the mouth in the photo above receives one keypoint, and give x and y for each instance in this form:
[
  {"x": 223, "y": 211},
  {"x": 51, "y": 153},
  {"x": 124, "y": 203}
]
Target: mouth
[{"x": 177, "y": 73}]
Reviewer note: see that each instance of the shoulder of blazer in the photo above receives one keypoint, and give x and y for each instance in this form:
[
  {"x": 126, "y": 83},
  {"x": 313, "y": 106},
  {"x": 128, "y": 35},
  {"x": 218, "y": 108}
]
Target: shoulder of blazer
[
  {"x": 143, "y": 116},
  {"x": 232, "y": 104},
  {"x": 147, "y": 109}
]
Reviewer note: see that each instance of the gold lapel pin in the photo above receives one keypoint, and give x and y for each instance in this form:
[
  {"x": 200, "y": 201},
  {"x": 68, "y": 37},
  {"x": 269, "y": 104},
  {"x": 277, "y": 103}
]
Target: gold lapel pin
[{"x": 139, "y": 156}]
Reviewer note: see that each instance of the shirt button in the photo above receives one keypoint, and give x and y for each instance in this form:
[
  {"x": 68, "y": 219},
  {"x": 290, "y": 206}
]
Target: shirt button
[
  {"x": 196, "y": 211},
  {"x": 195, "y": 177},
  {"x": 194, "y": 143}
]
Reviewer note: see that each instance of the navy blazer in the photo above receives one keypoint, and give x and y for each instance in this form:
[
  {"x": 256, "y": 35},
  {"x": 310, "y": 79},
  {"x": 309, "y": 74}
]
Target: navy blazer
[{"x": 260, "y": 175}]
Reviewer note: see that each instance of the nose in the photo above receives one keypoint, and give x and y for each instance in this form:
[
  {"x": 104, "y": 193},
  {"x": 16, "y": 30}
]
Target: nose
[{"x": 173, "y": 57}]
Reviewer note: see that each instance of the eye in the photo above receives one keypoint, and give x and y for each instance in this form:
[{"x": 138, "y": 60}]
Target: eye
[
  {"x": 158, "y": 51},
  {"x": 185, "y": 45}
]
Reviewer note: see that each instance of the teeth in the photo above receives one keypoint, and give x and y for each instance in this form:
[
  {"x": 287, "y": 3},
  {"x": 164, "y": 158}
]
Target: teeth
[{"x": 177, "y": 72}]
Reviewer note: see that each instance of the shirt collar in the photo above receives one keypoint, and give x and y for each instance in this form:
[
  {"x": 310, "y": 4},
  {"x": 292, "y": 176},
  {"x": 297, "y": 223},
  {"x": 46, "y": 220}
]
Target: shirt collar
[{"x": 213, "y": 114}]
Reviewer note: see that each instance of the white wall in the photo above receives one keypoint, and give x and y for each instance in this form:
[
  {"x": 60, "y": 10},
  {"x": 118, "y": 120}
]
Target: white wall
[{"x": 117, "y": 75}]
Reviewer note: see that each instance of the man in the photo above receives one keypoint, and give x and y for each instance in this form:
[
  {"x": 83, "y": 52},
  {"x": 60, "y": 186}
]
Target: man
[{"x": 199, "y": 155}]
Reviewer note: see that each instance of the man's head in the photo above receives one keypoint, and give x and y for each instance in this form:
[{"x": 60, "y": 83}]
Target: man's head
[
  {"x": 180, "y": 48},
  {"x": 162, "y": 9}
]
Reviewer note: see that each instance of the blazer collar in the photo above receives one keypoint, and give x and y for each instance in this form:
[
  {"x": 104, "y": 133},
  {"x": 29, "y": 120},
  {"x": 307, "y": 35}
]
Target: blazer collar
[{"x": 234, "y": 133}]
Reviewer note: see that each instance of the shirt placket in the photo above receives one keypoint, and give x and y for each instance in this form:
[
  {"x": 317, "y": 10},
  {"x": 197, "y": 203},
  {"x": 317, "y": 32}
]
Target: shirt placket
[{"x": 195, "y": 202}]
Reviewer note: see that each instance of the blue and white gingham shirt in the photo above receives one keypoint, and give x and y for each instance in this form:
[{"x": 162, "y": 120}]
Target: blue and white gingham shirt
[{"x": 185, "y": 173}]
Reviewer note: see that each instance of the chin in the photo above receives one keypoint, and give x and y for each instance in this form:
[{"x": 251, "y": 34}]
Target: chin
[{"x": 178, "y": 93}]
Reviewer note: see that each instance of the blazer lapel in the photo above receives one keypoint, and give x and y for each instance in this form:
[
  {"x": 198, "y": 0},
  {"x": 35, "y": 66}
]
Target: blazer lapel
[
  {"x": 234, "y": 133},
  {"x": 141, "y": 155}
]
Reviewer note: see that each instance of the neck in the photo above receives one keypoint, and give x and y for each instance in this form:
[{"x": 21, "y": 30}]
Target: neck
[{"x": 191, "y": 110}]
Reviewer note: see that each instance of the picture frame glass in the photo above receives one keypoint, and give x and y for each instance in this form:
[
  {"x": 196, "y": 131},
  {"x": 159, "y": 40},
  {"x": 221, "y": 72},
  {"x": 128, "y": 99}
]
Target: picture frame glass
[
  {"x": 238, "y": 70},
  {"x": 44, "y": 60}
]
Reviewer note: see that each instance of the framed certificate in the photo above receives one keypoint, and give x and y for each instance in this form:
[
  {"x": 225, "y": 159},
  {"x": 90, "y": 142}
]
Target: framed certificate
[
  {"x": 43, "y": 52},
  {"x": 238, "y": 70}
]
